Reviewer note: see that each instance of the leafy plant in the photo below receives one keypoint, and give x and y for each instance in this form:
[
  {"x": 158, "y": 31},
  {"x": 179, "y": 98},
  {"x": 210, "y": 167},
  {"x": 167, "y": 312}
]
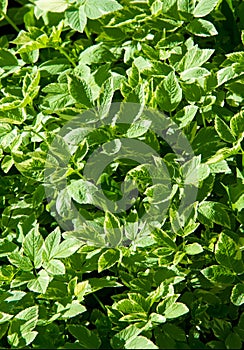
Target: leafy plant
[{"x": 180, "y": 282}]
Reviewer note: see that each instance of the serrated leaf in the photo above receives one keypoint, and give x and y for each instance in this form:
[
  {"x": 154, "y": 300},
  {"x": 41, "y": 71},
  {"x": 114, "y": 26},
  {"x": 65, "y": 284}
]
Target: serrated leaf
[
  {"x": 33, "y": 245},
  {"x": 193, "y": 249},
  {"x": 223, "y": 130},
  {"x": 95, "y": 10},
  {"x": 80, "y": 91},
  {"x": 40, "y": 283},
  {"x": 228, "y": 254},
  {"x": 140, "y": 342},
  {"x": 169, "y": 93},
  {"x": 201, "y": 27},
  {"x": 52, "y": 244},
  {"x": 218, "y": 274},
  {"x": 107, "y": 259},
  {"x": 215, "y": 212},
  {"x": 54, "y": 267},
  {"x": 76, "y": 18},
  {"x": 176, "y": 310},
  {"x": 237, "y": 294},
  {"x": 67, "y": 248},
  {"x": 87, "y": 339},
  {"x": 112, "y": 229},
  {"x": 204, "y": 7},
  {"x": 53, "y": 5}
]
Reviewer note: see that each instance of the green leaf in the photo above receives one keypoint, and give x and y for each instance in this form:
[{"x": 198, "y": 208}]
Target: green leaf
[
  {"x": 194, "y": 73},
  {"x": 176, "y": 310},
  {"x": 80, "y": 91},
  {"x": 193, "y": 249},
  {"x": 140, "y": 342},
  {"x": 7, "y": 59},
  {"x": 237, "y": 294},
  {"x": 107, "y": 259},
  {"x": 228, "y": 254},
  {"x": 204, "y": 7},
  {"x": 112, "y": 229},
  {"x": 169, "y": 93},
  {"x": 52, "y": 6},
  {"x": 201, "y": 27},
  {"x": 105, "y": 97},
  {"x": 54, "y": 267},
  {"x": 214, "y": 212},
  {"x": 237, "y": 124},
  {"x": 223, "y": 130},
  {"x": 3, "y": 8},
  {"x": 67, "y": 248},
  {"x": 218, "y": 274},
  {"x": 33, "y": 245},
  {"x": 76, "y": 18},
  {"x": 95, "y": 10},
  {"x": 185, "y": 116},
  {"x": 22, "y": 262},
  {"x": 40, "y": 283},
  {"x": 233, "y": 341},
  {"x": 87, "y": 339},
  {"x": 82, "y": 191},
  {"x": 51, "y": 244}
]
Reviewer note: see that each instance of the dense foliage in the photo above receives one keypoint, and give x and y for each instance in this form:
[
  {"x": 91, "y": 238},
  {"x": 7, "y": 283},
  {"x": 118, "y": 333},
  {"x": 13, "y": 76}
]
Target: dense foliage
[{"x": 182, "y": 285}]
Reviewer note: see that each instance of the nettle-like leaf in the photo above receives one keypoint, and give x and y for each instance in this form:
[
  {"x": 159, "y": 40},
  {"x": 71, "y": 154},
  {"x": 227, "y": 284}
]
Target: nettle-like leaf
[{"x": 169, "y": 93}]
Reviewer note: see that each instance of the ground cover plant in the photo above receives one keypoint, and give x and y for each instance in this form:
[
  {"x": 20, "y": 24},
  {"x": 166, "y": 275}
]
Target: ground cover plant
[{"x": 180, "y": 283}]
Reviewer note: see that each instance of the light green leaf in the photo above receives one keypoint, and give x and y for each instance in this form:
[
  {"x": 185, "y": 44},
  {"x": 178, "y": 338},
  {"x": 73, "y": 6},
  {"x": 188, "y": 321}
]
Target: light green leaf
[
  {"x": 67, "y": 248},
  {"x": 193, "y": 249},
  {"x": 33, "y": 245},
  {"x": 237, "y": 124},
  {"x": 54, "y": 267},
  {"x": 201, "y": 27},
  {"x": 237, "y": 294},
  {"x": 3, "y": 8},
  {"x": 228, "y": 254},
  {"x": 176, "y": 310},
  {"x": 194, "y": 73},
  {"x": 94, "y": 9},
  {"x": 22, "y": 262},
  {"x": 169, "y": 93},
  {"x": 218, "y": 274},
  {"x": 76, "y": 18},
  {"x": 194, "y": 57},
  {"x": 107, "y": 259},
  {"x": 105, "y": 97},
  {"x": 140, "y": 342},
  {"x": 82, "y": 191},
  {"x": 53, "y": 5},
  {"x": 185, "y": 115},
  {"x": 214, "y": 212},
  {"x": 112, "y": 229},
  {"x": 52, "y": 244},
  {"x": 204, "y": 7},
  {"x": 39, "y": 284},
  {"x": 223, "y": 130}
]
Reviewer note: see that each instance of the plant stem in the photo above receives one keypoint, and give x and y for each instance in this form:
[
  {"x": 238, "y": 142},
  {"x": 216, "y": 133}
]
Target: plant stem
[
  {"x": 9, "y": 20},
  {"x": 63, "y": 52},
  {"x": 99, "y": 302}
]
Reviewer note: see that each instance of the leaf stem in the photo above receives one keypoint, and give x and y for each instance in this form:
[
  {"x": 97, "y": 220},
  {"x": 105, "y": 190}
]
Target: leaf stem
[
  {"x": 99, "y": 302},
  {"x": 87, "y": 33},
  {"x": 63, "y": 52},
  {"x": 9, "y": 20}
]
